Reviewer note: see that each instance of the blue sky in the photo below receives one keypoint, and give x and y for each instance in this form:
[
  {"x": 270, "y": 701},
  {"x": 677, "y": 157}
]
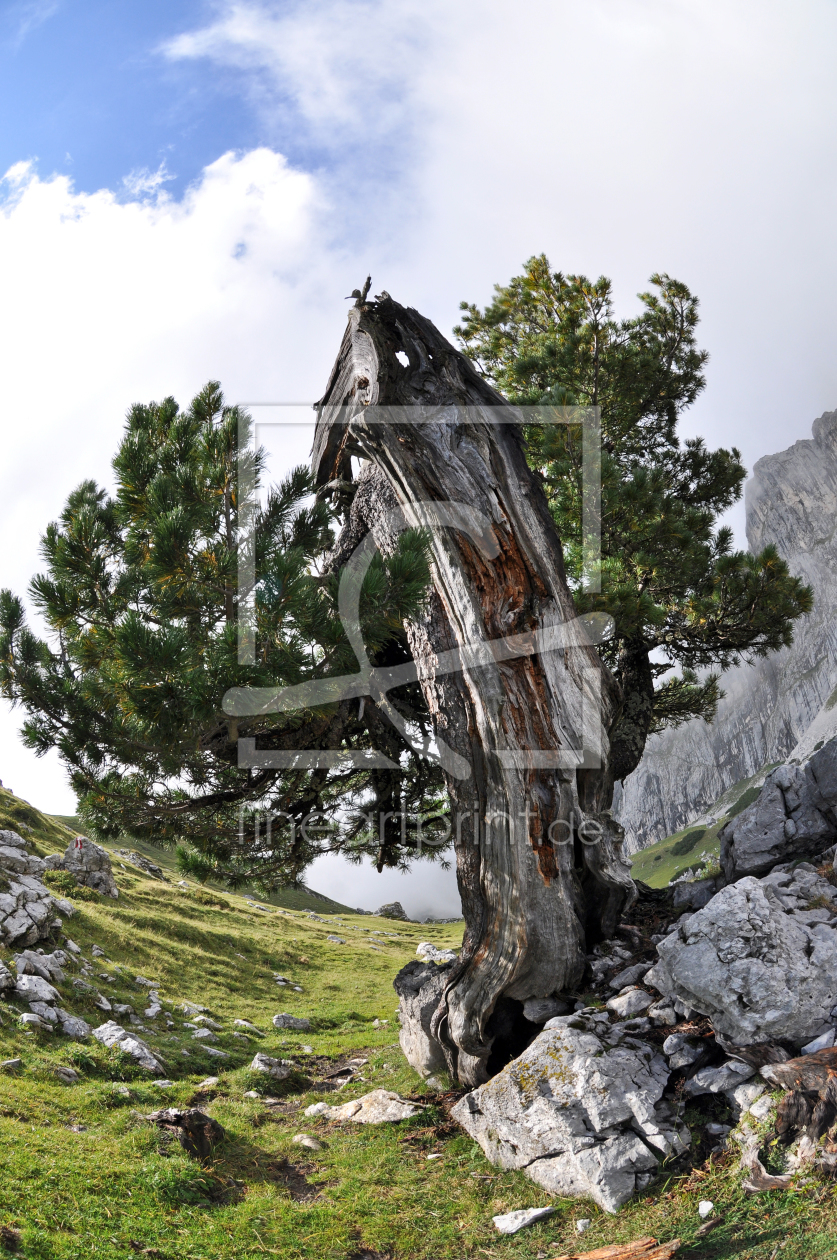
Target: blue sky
[
  {"x": 189, "y": 189},
  {"x": 86, "y": 91}
]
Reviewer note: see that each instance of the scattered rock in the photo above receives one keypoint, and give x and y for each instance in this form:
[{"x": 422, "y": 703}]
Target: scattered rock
[
  {"x": 380, "y": 1107},
  {"x": 188, "y": 1008},
  {"x": 632, "y": 1002},
  {"x": 112, "y": 1034},
  {"x": 35, "y": 989},
  {"x": 163, "y": 1084},
  {"x": 11, "y": 1065},
  {"x": 32, "y": 1020},
  {"x": 143, "y": 864},
  {"x": 245, "y": 1023},
  {"x": 67, "y": 1075},
  {"x": 204, "y": 1034},
  {"x": 90, "y": 866},
  {"x": 279, "y": 1069},
  {"x": 825, "y": 1042},
  {"x": 98, "y": 952},
  {"x": 630, "y": 977},
  {"x": 694, "y": 894},
  {"x": 205, "y": 1022},
  {"x": 317, "y": 1109},
  {"x": 511, "y": 1222},
  {"x": 305, "y": 1139},
  {"x": 215, "y": 1054},
  {"x": 209, "y": 1083},
  {"x": 336, "y": 940},
  {"x": 582, "y": 1225},
  {"x": 578, "y": 1111},
  {"x": 705, "y": 1208},
  {"x": 290, "y": 1021},
  {"x": 393, "y": 910}
]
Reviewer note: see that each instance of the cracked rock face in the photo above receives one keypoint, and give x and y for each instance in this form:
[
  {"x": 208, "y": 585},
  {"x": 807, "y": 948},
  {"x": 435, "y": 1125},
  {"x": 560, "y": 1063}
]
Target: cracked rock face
[
  {"x": 755, "y": 961},
  {"x": 90, "y": 865},
  {"x": 580, "y": 1111},
  {"x": 27, "y": 908},
  {"x": 794, "y": 817}
]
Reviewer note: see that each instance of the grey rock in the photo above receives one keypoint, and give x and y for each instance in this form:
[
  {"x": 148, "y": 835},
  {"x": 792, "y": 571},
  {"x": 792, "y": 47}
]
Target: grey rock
[
  {"x": 631, "y": 1002},
  {"x": 419, "y": 986},
  {"x": 428, "y": 952},
  {"x": 511, "y": 1222},
  {"x": 742, "y": 1097},
  {"x": 629, "y": 976},
  {"x": 824, "y": 1042},
  {"x": 31, "y": 1020},
  {"x": 205, "y": 1022},
  {"x": 35, "y": 989},
  {"x": 67, "y": 1075},
  {"x": 382, "y": 1106},
  {"x": 682, "y": 1050},
  {"x": 7, "y": 980},
  {"x": 11, "y": 1065},
  {"x": 45, "y": 1012},
  {"x": 308, "y": 1141},
  {"x": 113, "y": 1034},
  {"x": 143, "y": 864},
  {"x": 73, "y": 1025},
  {"x": 98, "y": 952},
  {"x": 539, "y": 1010},
  {"x": 215, "y": 1053},
  {"x": 47, "y": 966},
  {"x": 283, "y": 1020},
  {"x": 719, "y": 1080},
  {"x": 204, "y": 1034},
  {"x": 279, "y": 1069},
  {"x": 744, "y": 961},
  {"x": 27, "y": 907},
  {"x": 393, "y": 910},
  {"x": 694, "y": 894},
  {"x": 663, "y": 1014},
  {"x": 336, "y": 940},
  {"x": 790, "y": 819},
  {"x": 90, "y": 866},
  {"x": 577, "y": 1111}
]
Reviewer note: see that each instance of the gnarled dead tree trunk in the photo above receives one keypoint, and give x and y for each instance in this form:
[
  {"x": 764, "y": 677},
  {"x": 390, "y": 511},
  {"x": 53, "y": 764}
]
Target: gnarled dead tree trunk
[{"x": 539, "y": 861}]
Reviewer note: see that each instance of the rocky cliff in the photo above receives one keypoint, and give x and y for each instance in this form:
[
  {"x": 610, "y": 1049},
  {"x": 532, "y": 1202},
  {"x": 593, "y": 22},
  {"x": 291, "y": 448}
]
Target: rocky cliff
[{"x": 779, "y": 708}]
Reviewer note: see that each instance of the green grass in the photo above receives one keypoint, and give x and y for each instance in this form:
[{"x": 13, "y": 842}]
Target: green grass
[{"x": 84, "y": 1174}]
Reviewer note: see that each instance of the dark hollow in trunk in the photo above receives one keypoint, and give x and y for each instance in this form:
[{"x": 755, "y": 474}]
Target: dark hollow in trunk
[{"x": 533, "y": 900}]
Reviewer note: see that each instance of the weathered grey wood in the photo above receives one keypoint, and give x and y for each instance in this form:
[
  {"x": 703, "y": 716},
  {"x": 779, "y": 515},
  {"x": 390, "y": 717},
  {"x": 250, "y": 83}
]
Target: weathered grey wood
[{"x": 530, "y": 904}]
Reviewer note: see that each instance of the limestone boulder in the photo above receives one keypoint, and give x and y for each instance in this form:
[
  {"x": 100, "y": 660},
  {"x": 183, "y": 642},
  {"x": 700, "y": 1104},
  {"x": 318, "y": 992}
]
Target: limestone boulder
[
  {"x": 28, "y": 910},
  {"x": 90, "y": 865},
  {"x": 581, "y": 1111},
  {"x": 113, "y": 1034},
  {"x": 420, "y": 986},
  {"x": 752, "y": 963},
  {"x": 382, "y": 1106}
]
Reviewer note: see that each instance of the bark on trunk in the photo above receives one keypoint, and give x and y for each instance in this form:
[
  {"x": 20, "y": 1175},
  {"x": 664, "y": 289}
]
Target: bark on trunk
[
  {"x": 536, "y": 882},
  {"x": 630, "y": 732}
]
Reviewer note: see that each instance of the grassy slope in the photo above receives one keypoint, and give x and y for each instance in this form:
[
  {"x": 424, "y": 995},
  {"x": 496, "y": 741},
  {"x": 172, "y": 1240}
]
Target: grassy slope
[{"x": 113, "y": 1184}]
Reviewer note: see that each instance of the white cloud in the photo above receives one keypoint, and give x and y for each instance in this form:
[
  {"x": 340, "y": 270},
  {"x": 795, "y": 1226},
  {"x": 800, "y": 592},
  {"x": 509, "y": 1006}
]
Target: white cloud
[{"x": 108, "y": 302}]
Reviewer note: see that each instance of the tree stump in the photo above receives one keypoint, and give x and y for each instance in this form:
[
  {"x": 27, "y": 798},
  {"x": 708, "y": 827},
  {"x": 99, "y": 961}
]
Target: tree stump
[{"x": 539, "y": 862}]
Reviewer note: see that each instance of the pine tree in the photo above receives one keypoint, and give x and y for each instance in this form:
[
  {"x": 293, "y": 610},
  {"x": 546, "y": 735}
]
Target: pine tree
[
  {"x": 141, "y": 595},
  {"x": 679, "y": 593}
]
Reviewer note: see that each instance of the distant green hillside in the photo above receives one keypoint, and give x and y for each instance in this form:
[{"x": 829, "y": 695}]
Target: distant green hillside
[{"x": 683, "y": 851}]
